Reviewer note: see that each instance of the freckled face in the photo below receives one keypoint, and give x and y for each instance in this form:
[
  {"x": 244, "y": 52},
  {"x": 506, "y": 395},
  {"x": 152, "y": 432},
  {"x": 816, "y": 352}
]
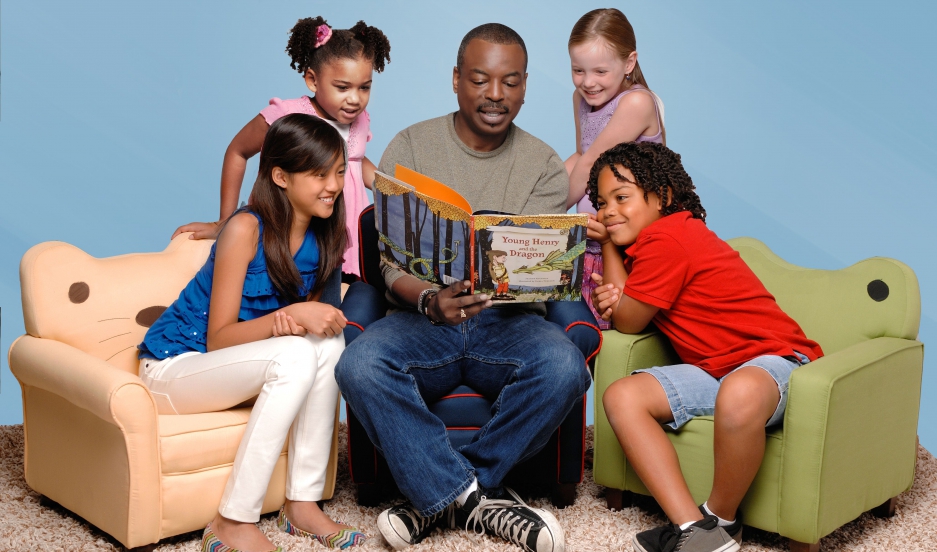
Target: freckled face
[
  {"x": 598, "y": 71},
  {"x": 342, "y": 88},
  {"x": 622, "y": 208}
]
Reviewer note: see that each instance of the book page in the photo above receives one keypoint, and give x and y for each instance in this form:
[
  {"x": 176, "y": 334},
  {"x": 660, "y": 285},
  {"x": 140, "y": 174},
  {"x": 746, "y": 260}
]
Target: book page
[
  {"x": 422, "y": 235},
  {"x": 530, "y": 258}
]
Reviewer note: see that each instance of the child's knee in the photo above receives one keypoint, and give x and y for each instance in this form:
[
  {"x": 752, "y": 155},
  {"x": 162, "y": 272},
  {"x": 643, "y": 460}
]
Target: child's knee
[
  {"x": 747, "y": 396},
  {"x": 630, "y": 394}
]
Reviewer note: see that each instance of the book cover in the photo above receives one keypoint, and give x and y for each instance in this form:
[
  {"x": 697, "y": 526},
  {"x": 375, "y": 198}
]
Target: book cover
[{"x": 429, "y": 230}]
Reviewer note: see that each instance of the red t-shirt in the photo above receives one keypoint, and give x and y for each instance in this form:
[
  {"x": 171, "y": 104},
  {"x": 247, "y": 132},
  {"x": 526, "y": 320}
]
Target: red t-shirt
[{"x": 715, "y": 311}]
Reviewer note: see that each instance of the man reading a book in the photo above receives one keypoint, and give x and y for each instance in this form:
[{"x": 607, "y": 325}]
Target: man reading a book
[{"x": 436, "y": 339}]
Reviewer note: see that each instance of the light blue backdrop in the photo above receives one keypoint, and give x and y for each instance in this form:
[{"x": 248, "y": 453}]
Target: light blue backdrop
[{"x": 810, "y": 127}]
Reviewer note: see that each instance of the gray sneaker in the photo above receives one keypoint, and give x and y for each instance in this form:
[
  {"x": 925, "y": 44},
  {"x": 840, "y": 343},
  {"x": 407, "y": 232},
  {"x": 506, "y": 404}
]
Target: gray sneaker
[
  {"x": 734, "y": 530},
  {"x": 532, "y": 529},
  {"x": 704, "y": 536}
]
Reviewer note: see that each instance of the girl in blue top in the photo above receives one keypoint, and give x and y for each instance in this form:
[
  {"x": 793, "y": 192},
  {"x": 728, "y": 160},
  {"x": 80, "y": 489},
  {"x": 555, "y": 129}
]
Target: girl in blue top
[{"x": 249, "y": 325}]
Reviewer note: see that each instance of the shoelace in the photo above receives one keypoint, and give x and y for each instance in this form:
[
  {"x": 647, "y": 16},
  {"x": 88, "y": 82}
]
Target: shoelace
[
  {"x": 499, "y": 516},
  {"x": 421, "y": 523}
]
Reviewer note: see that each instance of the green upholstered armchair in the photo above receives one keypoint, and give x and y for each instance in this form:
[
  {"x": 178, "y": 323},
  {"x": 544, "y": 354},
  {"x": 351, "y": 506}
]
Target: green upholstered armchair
[{"x": 848, "y": 442}]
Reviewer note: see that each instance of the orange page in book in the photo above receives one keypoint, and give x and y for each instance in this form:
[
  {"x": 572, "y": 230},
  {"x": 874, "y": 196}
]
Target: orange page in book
[{"x": 433, "y": 188}]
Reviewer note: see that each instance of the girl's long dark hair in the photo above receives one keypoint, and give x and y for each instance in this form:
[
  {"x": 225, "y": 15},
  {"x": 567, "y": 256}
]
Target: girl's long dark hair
[{"x": 297, "y": 143}]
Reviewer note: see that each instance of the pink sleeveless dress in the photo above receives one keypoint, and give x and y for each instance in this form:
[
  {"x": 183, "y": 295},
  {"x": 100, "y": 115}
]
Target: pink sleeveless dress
[
  {"x": 355, "y": 194},
  {"x": 591, "y": 124}
]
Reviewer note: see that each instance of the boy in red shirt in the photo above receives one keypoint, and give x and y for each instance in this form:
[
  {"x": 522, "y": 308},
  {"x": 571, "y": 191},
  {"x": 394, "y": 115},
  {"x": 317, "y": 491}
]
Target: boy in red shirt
[{"x": 738, "y": 346}]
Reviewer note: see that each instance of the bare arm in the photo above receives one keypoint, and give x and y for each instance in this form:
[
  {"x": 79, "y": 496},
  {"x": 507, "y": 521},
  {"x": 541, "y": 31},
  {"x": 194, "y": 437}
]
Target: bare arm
[
  {"x": 627, "y": 314},
  {"x": 634, "y": 116},
  {"x": 237, "y": 245},
  {"x": 367, "y": 173},
  {"x": 243, "y": 146}
]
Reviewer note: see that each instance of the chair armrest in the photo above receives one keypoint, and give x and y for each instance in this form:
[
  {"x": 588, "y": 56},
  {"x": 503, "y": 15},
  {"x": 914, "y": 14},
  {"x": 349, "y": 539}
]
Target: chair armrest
[
  {"x": 90, "y": 383},
  {"x": 579, "y": 324},
  {"x": 851, "y": 417},
  {"x": 363, "y": 304},
  {"x": 621, "y": 354}
]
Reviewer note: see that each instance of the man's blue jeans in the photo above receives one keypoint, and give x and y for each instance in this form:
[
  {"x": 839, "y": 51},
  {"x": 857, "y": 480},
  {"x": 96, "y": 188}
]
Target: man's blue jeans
[{"x": 526, "y": 365}]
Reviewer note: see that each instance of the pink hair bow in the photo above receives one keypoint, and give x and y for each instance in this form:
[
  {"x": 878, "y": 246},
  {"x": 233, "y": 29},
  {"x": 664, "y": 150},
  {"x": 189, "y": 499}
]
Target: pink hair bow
[{"x": 323, "y": 34}]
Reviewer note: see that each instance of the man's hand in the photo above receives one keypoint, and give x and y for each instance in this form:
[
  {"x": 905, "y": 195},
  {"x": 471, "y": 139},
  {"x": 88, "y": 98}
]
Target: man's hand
[
  {"x": 604, "y": 297},
  {"x": 596, "y": 231},
  {"x": 446, "y": 307},
  {"x": 200, "y": 230}
]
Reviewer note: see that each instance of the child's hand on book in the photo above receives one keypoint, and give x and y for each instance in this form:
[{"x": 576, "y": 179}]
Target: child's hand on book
[
  {"x": 604, "y": 297},
  {"x": 596, "y": 231},
  {"x": 452, "y": 305}
]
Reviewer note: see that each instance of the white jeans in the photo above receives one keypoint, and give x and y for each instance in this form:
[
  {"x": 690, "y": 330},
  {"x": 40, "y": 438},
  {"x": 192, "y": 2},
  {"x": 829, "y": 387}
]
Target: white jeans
[{"x": 294, "y": 382}]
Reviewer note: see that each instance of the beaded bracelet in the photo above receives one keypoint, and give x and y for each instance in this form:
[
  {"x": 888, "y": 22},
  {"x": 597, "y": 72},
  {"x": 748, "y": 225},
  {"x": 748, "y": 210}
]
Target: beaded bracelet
[{"x": 421, "y": 302}]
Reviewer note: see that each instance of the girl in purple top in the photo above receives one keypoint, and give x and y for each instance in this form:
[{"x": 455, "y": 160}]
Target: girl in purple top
[
  {"x": 338, "y": 67},
  {"x": 611, "y": 104}
]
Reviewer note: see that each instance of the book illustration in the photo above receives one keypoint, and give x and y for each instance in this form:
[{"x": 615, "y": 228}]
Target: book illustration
[
  {"x": 428, "y": 230},
  {"x": 530, "y": 258}
]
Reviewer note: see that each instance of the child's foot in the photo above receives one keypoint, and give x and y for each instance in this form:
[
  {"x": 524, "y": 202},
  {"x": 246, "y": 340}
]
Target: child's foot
[
  {"x": 236, "y": 535},
  {"x": 734, "y": 529},
  {"x": 306, "y": 519},
  {"x": 703, "y": 536}
]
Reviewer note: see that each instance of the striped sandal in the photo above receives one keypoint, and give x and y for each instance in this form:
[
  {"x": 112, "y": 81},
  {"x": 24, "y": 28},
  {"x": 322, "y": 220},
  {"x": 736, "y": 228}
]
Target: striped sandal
[
  {"x": 345, "y": 538},
  {"x": 211, "y": 543}
]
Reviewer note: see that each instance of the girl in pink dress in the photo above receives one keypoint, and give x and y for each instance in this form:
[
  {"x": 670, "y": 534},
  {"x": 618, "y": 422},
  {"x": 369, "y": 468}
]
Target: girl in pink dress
[
  {"x": 338, "y": 67},
  {"x": 611, "y": 104}
]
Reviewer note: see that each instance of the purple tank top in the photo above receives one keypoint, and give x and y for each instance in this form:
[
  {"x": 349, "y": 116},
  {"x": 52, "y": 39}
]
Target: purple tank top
[{"x": 592, "y": 123}]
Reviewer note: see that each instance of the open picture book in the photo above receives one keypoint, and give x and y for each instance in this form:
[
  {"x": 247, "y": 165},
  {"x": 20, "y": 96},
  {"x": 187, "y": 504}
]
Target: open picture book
[{"x": 431, "y": 232}]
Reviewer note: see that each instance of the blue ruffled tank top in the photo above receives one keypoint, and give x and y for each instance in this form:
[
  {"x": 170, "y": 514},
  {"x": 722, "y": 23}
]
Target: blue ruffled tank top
[{"x": 181, "y": 328}]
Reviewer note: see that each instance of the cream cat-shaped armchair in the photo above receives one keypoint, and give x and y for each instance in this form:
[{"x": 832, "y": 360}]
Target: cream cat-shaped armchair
[{"x": 94, "y": 441}]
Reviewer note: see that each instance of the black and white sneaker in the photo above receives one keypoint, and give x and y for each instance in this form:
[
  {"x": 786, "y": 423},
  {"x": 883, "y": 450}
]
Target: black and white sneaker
[
  {"x": 532, "y": 529},
  {"x": 402, "y": 525}
]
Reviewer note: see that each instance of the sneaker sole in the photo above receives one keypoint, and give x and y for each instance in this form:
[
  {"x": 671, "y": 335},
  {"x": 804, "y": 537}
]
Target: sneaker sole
[
  {"x": 389, "y": 533},
  {"x": 637, "y": 545},
  {"x": 553, "y": 525},
  {"x": 733, "y": 546}
]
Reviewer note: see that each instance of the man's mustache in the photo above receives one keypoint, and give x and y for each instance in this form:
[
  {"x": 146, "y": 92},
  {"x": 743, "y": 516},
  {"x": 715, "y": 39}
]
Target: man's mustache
[{"x": 494, "y": 105}]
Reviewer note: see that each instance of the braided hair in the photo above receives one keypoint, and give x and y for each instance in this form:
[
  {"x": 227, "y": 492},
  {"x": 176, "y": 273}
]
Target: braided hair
[
  {"x": 656, "y": 168},
  {"x": 358, "y": 42}
]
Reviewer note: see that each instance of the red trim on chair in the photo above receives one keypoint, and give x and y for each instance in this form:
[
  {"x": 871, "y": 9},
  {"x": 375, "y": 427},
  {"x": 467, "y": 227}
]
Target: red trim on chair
[
  {"x": 463, "y": 428},
  {"x": 355, "y": 324},
  {"x": 361, "y": 249},
  {"x": 597, "y": 330},
  {"x": 462, "y": 395}
]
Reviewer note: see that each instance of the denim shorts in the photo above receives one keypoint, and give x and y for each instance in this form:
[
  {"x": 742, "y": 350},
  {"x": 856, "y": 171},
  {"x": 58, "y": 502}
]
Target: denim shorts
[{"x": 691, "y": 391}]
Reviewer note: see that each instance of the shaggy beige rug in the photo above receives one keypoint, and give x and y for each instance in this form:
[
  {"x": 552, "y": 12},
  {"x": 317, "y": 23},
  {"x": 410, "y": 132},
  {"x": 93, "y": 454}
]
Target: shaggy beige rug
[{"x": 26, "y": 524}]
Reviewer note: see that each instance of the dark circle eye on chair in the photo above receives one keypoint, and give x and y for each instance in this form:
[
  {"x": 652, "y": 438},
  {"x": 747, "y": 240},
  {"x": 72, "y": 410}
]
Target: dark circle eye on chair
[
  {"x": 78, "y": 292},
  {"x": 878, "y": 290}
]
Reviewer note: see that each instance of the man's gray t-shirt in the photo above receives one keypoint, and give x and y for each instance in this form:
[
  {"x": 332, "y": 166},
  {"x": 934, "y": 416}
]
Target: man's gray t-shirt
[{"x": 522, "y": 176}]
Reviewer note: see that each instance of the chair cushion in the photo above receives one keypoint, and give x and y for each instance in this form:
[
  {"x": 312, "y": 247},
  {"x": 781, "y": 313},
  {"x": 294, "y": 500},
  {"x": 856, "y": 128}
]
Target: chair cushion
[{"x": 193, "y": 442}]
